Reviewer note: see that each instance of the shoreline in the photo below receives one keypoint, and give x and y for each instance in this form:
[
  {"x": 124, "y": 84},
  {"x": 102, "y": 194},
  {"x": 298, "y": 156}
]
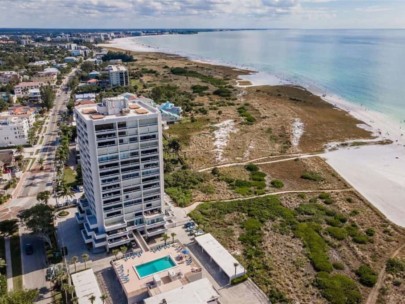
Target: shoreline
[{"x": 374, "y": 171}]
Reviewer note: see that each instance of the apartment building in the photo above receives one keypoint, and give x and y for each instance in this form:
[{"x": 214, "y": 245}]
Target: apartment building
[
  {"x": 23, "y": 89},
  {"x": 15, "y": 125},
  {"x": 118, "y": 75},
  {"x": 45, "y": 77},
  {"x": 120, "y": 143},
  {"x": 9, "y": 76}
]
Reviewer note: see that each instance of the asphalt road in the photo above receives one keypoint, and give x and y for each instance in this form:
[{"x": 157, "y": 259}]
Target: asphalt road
[{"x": 32, "y": 182}]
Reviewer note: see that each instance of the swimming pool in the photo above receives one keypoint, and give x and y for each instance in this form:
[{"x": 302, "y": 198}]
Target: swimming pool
[{"x": 154, "y": 266}]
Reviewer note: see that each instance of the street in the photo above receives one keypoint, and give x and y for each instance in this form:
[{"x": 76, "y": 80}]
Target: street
[{"x": 31, "y": 183}]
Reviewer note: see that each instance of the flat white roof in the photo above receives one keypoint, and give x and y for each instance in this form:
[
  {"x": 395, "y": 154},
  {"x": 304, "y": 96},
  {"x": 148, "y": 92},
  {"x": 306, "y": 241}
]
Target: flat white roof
[
  {"x": 86, "y": 285},
  {"x": 220, "y": 255},
  {"x": 197, "y": 292}
]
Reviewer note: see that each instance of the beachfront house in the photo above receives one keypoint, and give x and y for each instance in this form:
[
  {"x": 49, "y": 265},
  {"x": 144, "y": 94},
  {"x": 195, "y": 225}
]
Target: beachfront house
[{"x": 170, "y": 112}]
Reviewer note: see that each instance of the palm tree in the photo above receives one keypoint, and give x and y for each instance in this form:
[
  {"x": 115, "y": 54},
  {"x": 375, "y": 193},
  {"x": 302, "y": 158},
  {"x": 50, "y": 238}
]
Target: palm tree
[
  {"x": 65, "y": 288},
  {"x": 85, "y": 258},
  {"x": 2, "y": 263},
  {"x": 165, "y": 237},
  {"x": 236, "y": 266},
  {"x": 173, "y": 235},
  {"x": 123, "y": 250},
  {"x": 115, "y": 252},
  {"x": 103, "y": 298},
  {"x": 74, "y": 260},
  {"x": 19, "y": 149},
  {"x": 92, "y": 299}
]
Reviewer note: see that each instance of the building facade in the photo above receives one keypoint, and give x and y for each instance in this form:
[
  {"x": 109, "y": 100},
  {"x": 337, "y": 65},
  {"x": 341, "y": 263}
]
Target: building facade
[
  {"x": 118, "y": 75},
  {"x": 120, "y": 143},
  {"x": 15, "y": 126},
  {"x": 9, "y": 76},
  {"x": 23, "y": 89}
]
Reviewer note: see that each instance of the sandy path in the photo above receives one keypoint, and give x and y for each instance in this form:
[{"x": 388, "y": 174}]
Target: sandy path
[
  {"x": 196, "y": 204},
  {"x": 373, "y": 295}
]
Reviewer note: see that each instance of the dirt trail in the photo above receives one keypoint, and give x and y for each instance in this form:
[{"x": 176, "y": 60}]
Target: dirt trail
[
  {"x": 257, "y": 160},
  {"x": 373, "y": 296},
  {"x": 196, "y": 204}
]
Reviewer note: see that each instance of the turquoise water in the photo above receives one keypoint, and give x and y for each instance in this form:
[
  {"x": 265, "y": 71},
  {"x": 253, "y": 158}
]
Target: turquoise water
[
  {"x": 365, "y": 67},
  {"x": 155, "y": 266}
]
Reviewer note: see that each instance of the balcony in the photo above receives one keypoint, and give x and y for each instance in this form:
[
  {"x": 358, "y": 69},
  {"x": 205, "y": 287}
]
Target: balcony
[
  {"x": 79, "y": 218},
  {"x": 118, "y": 241},
  {"x": 87, "y": 239},
  {"x": 155, "y": 231},
  {"x": 102, "y": 131},
  {"x": 106, "y": 136},
  {"x": 91, "y": 221}
]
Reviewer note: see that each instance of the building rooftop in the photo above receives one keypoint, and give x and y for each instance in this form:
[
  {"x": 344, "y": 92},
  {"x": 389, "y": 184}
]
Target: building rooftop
[
  {"x": 28, "y": 84},
  {"x": 114, "y": 107},
  {"x": 220, "y": 255},
  {"x": 116, "y": 68},
  {"x": 197, "y": 292},
  {"x": 86, "y": 285}
]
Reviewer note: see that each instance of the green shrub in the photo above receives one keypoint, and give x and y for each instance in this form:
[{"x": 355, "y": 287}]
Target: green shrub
[
  {"x": 3, "y": 284},
  {"x": 338, "y": 266},
  {"x": 243, "y": 191},
  {"x": 276, "y": 183},
  {"x": 324, "y": 196},
  {"x": 397, "y": 282},
  {"x": 199, "y": 89},
  {"x": 242, "y": 183},
  {"x": 259, "y": 184},
  {"x": 316, "y": 246},
  {"x": 360, "y": 239},
  {"x": 337, "y": 233},
  {"x": 366, "y": 275},
  {"x": 277, "y": 297},
  {"x": 395, "y": 266},
  {"x": 312, "y": 176},
  {"x": 370, "y": 232},
  {"x": 257, "y": 176},
  {"x": 354, "y": 213},
  {"x": 223, "y": 92},
  {"x": 240, "y": 279},
  {"x": 252, "y": 167},
  {"x": 338, "y": 289},
  {"x": 181, "y": 197}
]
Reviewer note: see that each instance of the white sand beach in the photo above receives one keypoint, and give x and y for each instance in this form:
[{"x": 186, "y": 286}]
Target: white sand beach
[{"x": 377, "y": 172}]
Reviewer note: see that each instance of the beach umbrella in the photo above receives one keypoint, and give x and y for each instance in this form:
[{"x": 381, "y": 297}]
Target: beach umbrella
[{"x": 185, "y": 251}]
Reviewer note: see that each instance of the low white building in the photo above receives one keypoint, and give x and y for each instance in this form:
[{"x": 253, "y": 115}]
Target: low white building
[
  {"x": 8, "y": 76},
  {"x": 86, "y": 286},
  {"x": 15, "y": 126},
  {"x": 23, "y": 89}
]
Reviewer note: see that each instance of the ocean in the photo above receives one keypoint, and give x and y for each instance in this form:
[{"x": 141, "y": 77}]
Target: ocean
[{"x": 364, "y": 67}]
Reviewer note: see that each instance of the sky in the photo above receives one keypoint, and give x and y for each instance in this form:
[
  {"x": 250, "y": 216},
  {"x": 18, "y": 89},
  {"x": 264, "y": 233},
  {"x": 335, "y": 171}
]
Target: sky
[{"x": 203, "y": 13}]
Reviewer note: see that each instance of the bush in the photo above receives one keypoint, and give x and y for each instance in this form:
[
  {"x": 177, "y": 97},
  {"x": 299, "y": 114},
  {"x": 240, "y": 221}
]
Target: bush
[
  {"x": 199, "y": 89},
  {"x": 395, "y": 266},
  {"x": 215, "y": 171},
  {"x": 252, "y": 167},
  {"x": 312, "y": 176},
  {"x": 276, "y": 183},
  {"x": 316, "y": 246},
  {"x": 239, "y": 279},
  {"x": 223, "y": 92},
  {"x": 370, "y": 232},
  {"x": 337, "y": 233},
  {"x": 397, "y": 282},
  {"x": 276, "y": 296},
  {"x": 258, "y": 176},
  {"x": 324, "y": 196},
  {"x": 338, "y": 266},
  {"x": 366, "y": 275},
  {"x": 338, "y": 289},
  {"x": 181, "y": 197}
]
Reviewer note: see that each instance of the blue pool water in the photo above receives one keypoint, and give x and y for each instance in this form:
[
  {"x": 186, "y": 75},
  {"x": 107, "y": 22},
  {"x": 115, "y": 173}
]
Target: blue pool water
[{"x": 155, "y": 266}]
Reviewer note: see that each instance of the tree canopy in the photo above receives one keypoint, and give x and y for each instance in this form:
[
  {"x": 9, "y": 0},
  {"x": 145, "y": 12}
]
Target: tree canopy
[
  {"x": 39, "y": 219},
  {"x": 47, "y": 96},
  {"x": 8, "y": 227}
]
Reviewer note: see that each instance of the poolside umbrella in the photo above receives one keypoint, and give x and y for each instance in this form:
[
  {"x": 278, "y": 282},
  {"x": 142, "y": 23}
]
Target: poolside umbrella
[{"x": 185, "y": 251}]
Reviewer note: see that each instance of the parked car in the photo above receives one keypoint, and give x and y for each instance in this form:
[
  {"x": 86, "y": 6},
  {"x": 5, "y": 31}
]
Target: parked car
[
  {"x": 189, "y": 225},
  {"x": 29, "y": 250},
  {"x": 50, "y": 273}
]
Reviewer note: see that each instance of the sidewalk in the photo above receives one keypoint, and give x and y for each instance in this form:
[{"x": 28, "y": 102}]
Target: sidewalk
[{"x": 8, "y": 267}]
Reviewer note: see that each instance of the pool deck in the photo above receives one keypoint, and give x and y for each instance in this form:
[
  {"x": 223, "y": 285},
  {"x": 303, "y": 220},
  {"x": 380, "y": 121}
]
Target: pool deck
[{"x": 135, "y": 286}]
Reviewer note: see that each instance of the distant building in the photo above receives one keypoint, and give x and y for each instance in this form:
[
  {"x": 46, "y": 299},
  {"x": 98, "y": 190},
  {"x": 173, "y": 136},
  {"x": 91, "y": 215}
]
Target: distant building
[
  {"x": 45, "y": 77},
  {"x": 15, "y": 125},
  {"x": 76, "y": 53},
  {"x": 94, "y": 74},
  {"x": 170, "y": 112},
  {"x": 85, "y": 96},
  {"x": 118, "y": 75},
  {"x": 9, "y": 76},
  {"x": 22, "y": 89},
  {"x": 7, "y": 97},
  {"x": 115, "y": 61},
  {"x": 39, "y": 63},
  {"x": 70, "y": 60},
  {"x": 34, "y": 95}
]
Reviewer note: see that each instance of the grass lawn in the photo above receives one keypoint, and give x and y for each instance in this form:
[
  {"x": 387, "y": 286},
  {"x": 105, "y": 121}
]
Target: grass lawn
[
  {"x": 16, "y": 262},
  {"x": 69, "y": 176},
  {"x": 185, "y": 129}
]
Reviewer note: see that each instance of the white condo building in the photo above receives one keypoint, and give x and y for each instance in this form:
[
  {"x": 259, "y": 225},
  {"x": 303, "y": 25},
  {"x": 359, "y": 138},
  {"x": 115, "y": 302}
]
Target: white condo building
[
  {"x": 118, "y": 75},
  {"x": 120, "y": 143},
  {"x": 15, "y": 126}
]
